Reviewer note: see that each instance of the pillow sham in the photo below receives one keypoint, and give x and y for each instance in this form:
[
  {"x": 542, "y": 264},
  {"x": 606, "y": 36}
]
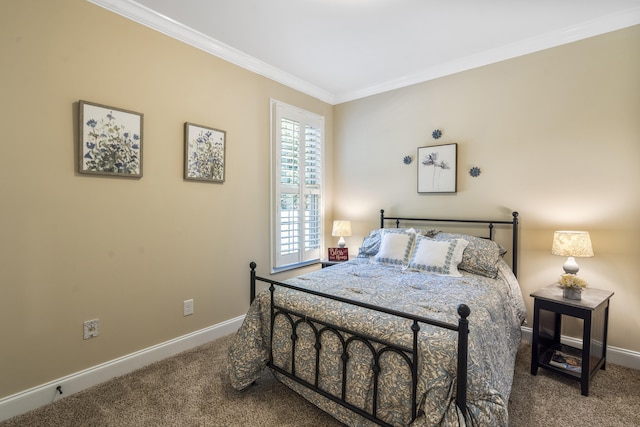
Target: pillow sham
[
  {"x": 395, "y": 248},
  {"x": 371, "y": 243},
  {"x": 438, "y": 257},
  {"x": 480, "y": 256}
]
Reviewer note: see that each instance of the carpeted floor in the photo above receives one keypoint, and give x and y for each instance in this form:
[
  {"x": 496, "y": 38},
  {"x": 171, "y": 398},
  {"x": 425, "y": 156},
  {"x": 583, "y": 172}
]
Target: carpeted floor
[{"x": 191, "y": 389}]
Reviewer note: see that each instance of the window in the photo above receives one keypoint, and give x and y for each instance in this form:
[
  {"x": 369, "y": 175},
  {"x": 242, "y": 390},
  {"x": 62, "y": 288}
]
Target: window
[{"x": 296, "y": 186}]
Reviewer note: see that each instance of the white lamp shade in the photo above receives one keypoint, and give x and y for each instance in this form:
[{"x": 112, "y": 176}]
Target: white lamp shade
[
  {"x": 341, "y": 229},
  {"x": 572, "y": 243}
]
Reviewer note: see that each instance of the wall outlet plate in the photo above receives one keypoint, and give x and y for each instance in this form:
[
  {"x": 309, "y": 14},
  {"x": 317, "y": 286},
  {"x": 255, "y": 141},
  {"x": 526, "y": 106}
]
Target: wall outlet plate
[
  {"x": 90, "y": 328},
  {"x": 188, "y": 307}
]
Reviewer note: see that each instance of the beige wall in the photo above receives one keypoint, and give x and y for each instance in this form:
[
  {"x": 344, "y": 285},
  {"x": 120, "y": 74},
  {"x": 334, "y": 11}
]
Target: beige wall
[
  {"x": 556, "y": 135},
  {"x": 74, "y": 248},
  {"x": 128, "y": 252}
]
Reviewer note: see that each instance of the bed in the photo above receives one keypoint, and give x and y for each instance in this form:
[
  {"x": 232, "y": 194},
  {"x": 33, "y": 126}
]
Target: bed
[{"x": 421, "y": 329}]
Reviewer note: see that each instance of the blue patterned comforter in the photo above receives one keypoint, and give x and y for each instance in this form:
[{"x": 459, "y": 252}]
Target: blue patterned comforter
[{"x": 497, "y": 311}]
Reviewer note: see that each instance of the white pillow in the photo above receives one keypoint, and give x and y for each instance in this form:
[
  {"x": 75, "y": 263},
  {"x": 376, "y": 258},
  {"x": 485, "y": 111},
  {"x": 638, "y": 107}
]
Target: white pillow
[
  {"x": 438, "y": 257},
  {"x": 395, "y": 248}
]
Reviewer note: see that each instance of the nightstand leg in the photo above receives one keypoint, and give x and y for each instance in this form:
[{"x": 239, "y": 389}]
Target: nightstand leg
[
  {"x": 586, "y": 356},
  {"x": 534, "y": 339},
  {"x": 557, "y": 328},
  {"x": 604, "y": 337}
]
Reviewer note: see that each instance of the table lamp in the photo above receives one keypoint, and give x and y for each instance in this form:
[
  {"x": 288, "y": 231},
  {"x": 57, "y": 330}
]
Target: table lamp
[
  {"x": 571, "y": 244},
  {"x": 341, "y": 229}
]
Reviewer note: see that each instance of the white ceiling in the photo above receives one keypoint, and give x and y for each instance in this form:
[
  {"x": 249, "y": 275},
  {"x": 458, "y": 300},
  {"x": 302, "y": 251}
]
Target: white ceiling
[{"x": 340, "y": 50}]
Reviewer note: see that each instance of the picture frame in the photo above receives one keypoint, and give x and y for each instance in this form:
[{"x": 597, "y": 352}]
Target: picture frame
[
  {"x": 204, "y": 153},
  {"x": 438, "y": 168},
  {"x": 109, "y": 141}
]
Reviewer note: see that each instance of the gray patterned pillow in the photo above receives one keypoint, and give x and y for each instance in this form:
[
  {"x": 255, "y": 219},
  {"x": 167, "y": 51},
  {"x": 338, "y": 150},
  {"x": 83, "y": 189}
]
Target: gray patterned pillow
[{"x": 480, "y": 256}]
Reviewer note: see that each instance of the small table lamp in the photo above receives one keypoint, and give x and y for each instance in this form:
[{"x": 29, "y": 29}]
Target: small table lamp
[
  {"x": 341, "y": 229},
  {"x": 571, "y": 244}
]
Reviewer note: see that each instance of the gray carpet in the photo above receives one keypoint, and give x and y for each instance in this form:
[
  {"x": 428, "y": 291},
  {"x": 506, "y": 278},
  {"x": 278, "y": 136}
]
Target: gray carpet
[{"x": 191, "y": 389}]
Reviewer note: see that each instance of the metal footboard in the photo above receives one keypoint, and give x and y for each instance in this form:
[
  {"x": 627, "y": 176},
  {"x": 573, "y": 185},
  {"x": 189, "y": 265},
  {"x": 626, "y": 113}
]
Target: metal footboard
[{"x": 377, "y": 347}]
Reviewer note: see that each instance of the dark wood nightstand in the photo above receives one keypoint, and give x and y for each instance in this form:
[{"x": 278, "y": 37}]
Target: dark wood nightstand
[
  {"x": 593, "y": 309},
  {"x": 327, "y": 263}
]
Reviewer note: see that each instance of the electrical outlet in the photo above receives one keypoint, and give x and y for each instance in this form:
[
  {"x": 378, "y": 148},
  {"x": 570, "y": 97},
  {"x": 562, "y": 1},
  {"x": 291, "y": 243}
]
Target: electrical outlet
[
  {"x": 90, "y": 328},
  {"x": 188, "y": 307}
]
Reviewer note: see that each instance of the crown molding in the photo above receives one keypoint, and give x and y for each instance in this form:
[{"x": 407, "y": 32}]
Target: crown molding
[
  {"x": 596, "y": 27},
  {"x": 165, "y": 25}
]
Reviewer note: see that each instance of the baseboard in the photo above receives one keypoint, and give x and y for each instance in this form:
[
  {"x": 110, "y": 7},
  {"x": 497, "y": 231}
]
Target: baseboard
[
  {"x": 36, "y": 397},
  {"x": 615, "y": 355}
]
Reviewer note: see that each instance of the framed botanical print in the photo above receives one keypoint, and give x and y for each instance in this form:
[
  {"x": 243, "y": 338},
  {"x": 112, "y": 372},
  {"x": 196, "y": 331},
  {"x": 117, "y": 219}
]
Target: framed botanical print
[
  {"x": 204, "y": 153},
  {"x": 437, "y": 168},
  {"x": 110, "y": 141}
]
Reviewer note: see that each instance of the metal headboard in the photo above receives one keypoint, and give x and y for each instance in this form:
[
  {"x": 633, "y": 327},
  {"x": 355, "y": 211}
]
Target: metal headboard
[{"x": 488, "y": 223}]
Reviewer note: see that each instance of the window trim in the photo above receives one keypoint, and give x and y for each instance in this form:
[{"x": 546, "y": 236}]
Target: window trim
[{"x": 306, "y": 117}]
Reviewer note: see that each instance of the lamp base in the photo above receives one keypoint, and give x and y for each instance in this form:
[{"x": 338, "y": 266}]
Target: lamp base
[
  {"x": 571, "y": 266},
  {"x": 341, "y": 242}
]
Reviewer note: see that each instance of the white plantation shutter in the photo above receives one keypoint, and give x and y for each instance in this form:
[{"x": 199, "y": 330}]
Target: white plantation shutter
[
  {"x": 313, "y": 186},
  {"x": 297, "y": 174}
]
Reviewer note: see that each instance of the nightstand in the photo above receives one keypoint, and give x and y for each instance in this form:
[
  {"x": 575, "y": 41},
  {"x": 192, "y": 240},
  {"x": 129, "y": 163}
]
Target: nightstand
[
  {"x": 327, "y": 263},
  {"x": 593, "y": 309}
]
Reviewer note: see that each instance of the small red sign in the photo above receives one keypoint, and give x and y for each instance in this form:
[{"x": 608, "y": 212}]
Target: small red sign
[{"x": 338, "y": 254}]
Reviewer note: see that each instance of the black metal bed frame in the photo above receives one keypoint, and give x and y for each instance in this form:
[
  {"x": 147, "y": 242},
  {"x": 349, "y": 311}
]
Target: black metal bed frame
[
  {"x": 490, "y": 226},
  {"x": 377, "y": 346}
]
